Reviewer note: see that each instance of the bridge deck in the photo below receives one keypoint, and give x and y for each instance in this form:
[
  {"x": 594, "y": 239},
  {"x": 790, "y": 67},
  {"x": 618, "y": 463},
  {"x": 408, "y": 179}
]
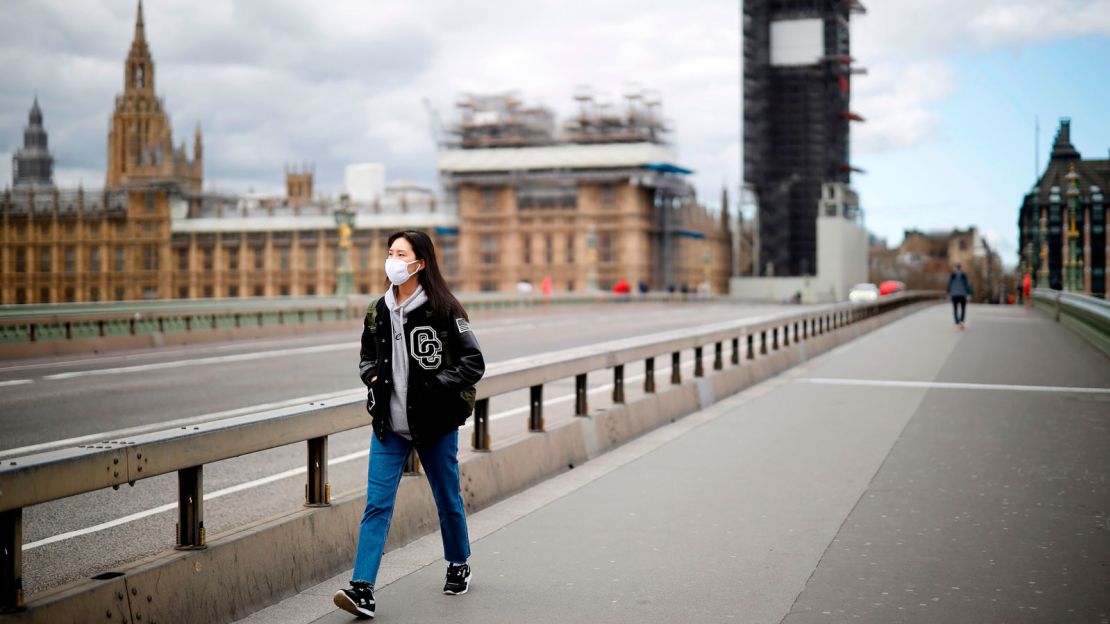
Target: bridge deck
[{"x": 977, "y": 493}]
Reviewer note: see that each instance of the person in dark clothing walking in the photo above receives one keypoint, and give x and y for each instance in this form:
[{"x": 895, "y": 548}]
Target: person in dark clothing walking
[
  {"x": 420, "y": 362},
  {"x": 959, "y": 289}
]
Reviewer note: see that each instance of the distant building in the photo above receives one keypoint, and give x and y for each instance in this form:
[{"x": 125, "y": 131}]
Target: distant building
[
  {"x": 599, "y": 202},
  {"x": 796, "y": 83},
  {"x": 1062, "y": 222},
  {"x": 81, "y": 244},
  {"x": 140, "y": 141},
  {"x": 263, "y": 247},
  {"x": 152, "y": 234},
  {"x": 924, "y": 259},
  {"x": 32, "y": 164},
  {"x": 299, "y": 185},
  {"x": 841, "y": 255}
]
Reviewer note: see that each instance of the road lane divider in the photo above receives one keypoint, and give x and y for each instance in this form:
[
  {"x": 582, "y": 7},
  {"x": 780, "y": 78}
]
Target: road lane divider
[
  {"x": 218, "y": 359},
  {"x": 946, "y": 385},
  {"x": 239, "y": 357},
  {"x": 285, "y": 474},
  {"x": 120, "y": 434},
  {"x": 172, "y": 506}
]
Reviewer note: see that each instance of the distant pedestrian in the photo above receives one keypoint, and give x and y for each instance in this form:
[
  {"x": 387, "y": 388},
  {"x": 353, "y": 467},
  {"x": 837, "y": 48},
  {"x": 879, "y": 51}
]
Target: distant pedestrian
[
  {"x": 959, "y": 289},
  {"x": 419, "y": 361},
  {"x": 1027, "y": 290}
]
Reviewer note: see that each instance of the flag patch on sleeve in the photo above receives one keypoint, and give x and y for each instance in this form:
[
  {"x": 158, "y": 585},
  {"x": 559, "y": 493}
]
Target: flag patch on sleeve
[{"x": 464, "y": 326}]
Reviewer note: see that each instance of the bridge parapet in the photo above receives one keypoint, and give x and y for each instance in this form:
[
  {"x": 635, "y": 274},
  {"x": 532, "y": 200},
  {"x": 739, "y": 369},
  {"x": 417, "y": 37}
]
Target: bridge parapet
[
  {"x": 1085, "y": 315},
  {"x": 62, "y": 472}
]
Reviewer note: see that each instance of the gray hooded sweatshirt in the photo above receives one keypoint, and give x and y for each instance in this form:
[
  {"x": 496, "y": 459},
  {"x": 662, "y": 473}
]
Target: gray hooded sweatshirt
[{"x": 398, "y": 401}]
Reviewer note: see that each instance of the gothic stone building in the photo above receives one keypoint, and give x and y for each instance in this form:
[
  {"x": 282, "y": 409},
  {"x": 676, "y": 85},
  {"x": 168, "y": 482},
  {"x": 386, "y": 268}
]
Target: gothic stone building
[
  {"x": 140, "y": 141},
  {"x": 1063, "y": 242},
  {"x": 90, "y": 245},
  {"x": 152, "y": 234}
]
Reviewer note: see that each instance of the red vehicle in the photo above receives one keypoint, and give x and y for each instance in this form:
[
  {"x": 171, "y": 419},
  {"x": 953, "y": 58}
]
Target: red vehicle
[{"x": 891, "y": 286}]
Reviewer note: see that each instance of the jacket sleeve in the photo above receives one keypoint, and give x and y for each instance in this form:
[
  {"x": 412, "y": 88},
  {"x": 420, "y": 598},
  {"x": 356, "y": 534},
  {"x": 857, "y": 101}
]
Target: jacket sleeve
[
  {"x": 467, "y": 364},
  {"x": 368, "y": 354},
  {"x": 951, "y": 280}
]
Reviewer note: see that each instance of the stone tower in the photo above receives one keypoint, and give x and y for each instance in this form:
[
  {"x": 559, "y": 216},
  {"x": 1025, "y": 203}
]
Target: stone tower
[
  {"x": 797, "y": 82},
  {"x": 32, "y": 165},
  {"x": 140, "y": 141},
  {"x": 298, "y": 185}
]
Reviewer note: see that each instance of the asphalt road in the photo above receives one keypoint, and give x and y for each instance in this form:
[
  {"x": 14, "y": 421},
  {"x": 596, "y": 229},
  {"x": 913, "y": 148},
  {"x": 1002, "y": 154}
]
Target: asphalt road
[{"x": 44, "y": 401}]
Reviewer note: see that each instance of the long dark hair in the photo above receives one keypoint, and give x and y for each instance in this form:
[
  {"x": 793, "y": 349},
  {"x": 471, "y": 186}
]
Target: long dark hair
[{"x": 444, "y": 305}]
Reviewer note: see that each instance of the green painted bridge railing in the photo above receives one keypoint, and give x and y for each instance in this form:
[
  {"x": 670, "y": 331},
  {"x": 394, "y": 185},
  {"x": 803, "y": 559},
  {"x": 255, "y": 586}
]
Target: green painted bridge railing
[
  {"x": 44, "y": 323},
  {"x": 77, "y": 321},
  {"x": 1085, "y": 315}
]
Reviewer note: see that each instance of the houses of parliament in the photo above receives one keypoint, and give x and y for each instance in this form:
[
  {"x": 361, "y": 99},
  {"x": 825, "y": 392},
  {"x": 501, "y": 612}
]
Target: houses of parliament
[{"x": 152, "y": 233}]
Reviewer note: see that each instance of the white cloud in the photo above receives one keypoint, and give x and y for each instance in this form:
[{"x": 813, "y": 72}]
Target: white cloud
[
  {"x": 280, "y": 81},
  {"x": 906, "y": 46},
  {"x": 1002, "y": 23},
  {"x": 896, "y": 99}
]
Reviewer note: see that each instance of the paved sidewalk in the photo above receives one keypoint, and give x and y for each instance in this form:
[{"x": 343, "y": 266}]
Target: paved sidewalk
[{"x": 918, "y": 474}]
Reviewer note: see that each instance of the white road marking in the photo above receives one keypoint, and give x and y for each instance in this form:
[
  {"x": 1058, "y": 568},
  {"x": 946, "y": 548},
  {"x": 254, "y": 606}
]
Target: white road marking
[
  {"x": 15, "y": 382},
  {"x": 250, "y": 409},
  {"x": 280, "y": 475},
  {"x": 483, "y": 327},
  {"x": 155, "y": 352},
  {"x": 171, "y": 506},
  {"x": 239, "y": 357},
  {"x": 170, "y": 424},
  {"x": 950, "y": 385}
]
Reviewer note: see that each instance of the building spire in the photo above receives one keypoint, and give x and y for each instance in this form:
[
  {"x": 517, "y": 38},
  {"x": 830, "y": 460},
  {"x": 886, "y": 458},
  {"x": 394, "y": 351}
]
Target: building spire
[
  {"x": 33, "y": 165},
  {"x": 1062, "y": 147},
  {"x": 36, "y": 112},
  {"x": 140, "y": 34}
]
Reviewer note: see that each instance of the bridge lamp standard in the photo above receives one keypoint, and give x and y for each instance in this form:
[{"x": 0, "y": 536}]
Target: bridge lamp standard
[
  {"x": 344, "y": 222},
  {"x": 1073, "y": 267}
]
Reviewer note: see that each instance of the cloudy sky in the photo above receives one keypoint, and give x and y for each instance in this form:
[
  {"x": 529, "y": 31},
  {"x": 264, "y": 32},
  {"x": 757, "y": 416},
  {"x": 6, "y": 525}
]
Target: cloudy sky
[{"x": 950, "y": 99}]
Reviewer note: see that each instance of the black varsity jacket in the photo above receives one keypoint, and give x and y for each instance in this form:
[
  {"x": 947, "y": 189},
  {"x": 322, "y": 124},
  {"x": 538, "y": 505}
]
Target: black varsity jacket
[{"x": 445, "y": 362}]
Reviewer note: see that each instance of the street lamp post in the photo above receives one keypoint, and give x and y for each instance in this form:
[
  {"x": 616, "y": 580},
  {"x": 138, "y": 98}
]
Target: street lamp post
[
  {"x": 591, "y": 259},
  {"x": 1074, "y": 262},
  {"x": 344, "y": 220}
]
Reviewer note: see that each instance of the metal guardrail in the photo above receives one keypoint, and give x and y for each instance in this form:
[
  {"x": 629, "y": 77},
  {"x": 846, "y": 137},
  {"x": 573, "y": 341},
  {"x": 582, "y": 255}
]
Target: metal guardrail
[
  {"x": 59, "y": 473},
  {"x": 22, "y": 324},
  {"x": 1087, "y": 316}
]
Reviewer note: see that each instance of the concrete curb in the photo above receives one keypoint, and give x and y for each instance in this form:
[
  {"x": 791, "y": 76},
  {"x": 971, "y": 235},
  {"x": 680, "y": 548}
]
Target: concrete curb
[{"x": 249, "y": 568}]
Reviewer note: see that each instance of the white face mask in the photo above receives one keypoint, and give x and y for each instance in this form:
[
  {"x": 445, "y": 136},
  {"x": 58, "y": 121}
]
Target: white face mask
[{"x": 398, "y": 271}]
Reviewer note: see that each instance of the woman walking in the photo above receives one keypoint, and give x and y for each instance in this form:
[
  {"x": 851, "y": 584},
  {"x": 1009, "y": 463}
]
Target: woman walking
[{"x": 419, "y": 361}]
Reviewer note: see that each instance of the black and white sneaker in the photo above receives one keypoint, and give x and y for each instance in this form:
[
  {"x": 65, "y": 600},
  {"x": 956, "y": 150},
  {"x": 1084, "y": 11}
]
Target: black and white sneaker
[
  {"x": 358, "y": 600},
  {"x": 458, "y": 579}
]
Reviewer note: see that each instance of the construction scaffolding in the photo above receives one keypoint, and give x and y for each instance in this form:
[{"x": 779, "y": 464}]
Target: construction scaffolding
[
  {"x": 598, "y": 121},
  {"x": 796, "y": 121},
  {"x": 500, "y": 120}
]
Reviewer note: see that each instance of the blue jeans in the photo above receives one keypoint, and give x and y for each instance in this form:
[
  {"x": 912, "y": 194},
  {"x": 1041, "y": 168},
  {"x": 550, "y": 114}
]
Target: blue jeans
[{"x": 440, "y": 461}]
